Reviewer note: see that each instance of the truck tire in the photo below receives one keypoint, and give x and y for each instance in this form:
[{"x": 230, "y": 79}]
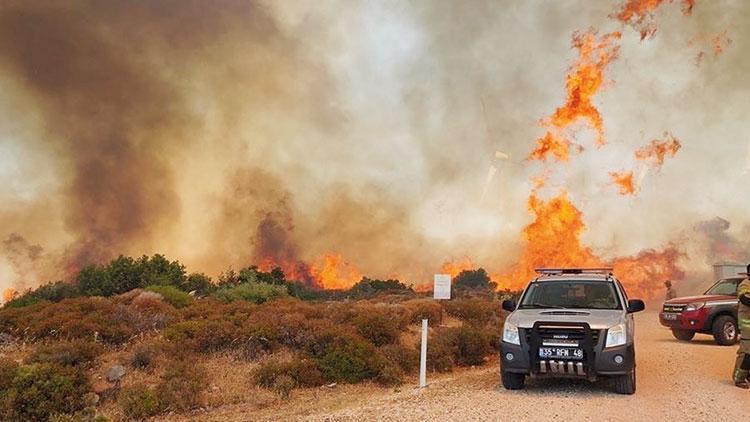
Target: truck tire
[
  {"x": 725, "y": 330},
  {"x": 625, "y": 384},
  {"x": 683, "y": 335},
  {"x": 512, "y": 381}
]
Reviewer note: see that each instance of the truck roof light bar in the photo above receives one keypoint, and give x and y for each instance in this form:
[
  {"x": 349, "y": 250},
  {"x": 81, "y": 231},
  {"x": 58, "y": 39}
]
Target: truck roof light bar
[{"x": 556, "y": 271}]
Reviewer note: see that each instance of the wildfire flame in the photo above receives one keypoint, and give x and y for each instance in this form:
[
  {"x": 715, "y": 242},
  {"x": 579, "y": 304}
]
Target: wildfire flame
[
  {"x": 9, "y": 294},
  {"x": 455, "y": 267},
  {"x": 584, "y": 79},
  {"x": 553, "y": 240},
  {"x": 329, "y": 271},
  {"x": 624, "y": 182},
  {"x": 332, "y": 272},
  {"x": 658, "y": 150},
  {"x": 640, "y": 14}
]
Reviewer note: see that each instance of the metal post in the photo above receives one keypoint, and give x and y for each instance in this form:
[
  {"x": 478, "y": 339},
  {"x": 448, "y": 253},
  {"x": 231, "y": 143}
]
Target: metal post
[{"x": 423, "y": 357}]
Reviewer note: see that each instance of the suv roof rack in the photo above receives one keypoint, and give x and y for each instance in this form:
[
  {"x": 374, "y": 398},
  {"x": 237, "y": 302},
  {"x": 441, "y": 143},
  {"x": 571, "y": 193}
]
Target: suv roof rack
[{"x": 557, "y": 271}]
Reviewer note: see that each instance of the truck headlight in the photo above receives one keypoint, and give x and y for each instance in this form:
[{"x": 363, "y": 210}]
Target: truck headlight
[
  {"x": 510, "y": 334},
  {"x": 695, "y": 306},
  {"x": 616, "y": 336}
]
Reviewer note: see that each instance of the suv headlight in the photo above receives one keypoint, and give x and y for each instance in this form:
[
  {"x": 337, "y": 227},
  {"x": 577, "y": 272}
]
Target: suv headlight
[
  {"x": 510, "y": 334},
  {"x": 695, "y": 306},
  {"x": 616, "y": 336}
]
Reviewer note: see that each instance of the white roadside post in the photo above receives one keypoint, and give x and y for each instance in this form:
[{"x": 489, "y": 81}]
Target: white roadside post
[
  {"x": 423, "y": 357},
  {"x": 441, "y": 290}
]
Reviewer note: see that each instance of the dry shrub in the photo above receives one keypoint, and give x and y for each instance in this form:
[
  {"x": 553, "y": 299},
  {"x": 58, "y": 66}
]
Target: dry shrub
[
  {"x": 302, "y": 371},
  {"x": 143, "y": 356},
  {"x": 342, "y": 357},
  {"x": 284, "y": 385},
  {"x": 79, "y": 318},
  {"x": 440, "y": 350},
  {"x": 139, "y": 402},
  {"x": 73, "y": 353},
  {"x": 380, "y": 324},
  {"x": 405, "y": 358},
  {"x": 477, "y": 311},
  {"x": 420, "y": 309},
  {"x": 182, "y": 385},
  {"x": 471, "y": 345}
]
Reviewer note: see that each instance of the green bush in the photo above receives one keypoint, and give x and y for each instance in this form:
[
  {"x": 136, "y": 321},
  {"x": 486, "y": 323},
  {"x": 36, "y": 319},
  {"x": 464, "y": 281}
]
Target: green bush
[
  {"x": 390, "y": 374},
  {"x": 370, "y": 287},
  {"x": 74, "y": 353},
  {"x": 379, "y": 324},
  {"x": 345, "y": 358},
  {"x": 172, "y": 295},
  {"x": 39, "y": 391},
  {"x": 139, "y": 402},
  {"x": 302, "y": 371},
  {"x": 50, "y": 292},
  {"x": 440, "y": 350},
  {"x": 182, "y": 385},
  {"x": 198, "y": 282},
  {"x": 404, "y": 358},
  {"x": 251, "y": 292}
]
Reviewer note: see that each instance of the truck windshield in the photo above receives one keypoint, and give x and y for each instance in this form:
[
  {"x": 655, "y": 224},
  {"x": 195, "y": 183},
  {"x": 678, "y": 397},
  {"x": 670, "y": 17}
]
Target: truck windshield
[
  {"x": 576, "y": 294},
  {"x": 727, "y": 286}
]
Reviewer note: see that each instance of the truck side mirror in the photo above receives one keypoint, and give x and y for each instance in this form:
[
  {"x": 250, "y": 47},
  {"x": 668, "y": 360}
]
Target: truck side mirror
[
  {"x": 509, "y": 305},
  {"x": 635, "y": 305}
]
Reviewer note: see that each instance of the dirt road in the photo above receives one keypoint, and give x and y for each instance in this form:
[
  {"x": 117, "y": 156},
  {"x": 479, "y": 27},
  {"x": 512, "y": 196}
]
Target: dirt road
[{"x": 675, "y": 380}]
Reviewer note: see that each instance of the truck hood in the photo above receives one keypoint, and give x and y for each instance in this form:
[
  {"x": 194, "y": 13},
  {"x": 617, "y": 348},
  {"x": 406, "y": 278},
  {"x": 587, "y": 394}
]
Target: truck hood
[
  {"x": 703, "y": 298},
  {"x": 598, "y": 319}
]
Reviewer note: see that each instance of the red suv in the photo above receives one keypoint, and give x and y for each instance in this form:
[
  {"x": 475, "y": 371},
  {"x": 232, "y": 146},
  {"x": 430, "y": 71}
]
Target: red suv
[{"x": 715, "y": 312}]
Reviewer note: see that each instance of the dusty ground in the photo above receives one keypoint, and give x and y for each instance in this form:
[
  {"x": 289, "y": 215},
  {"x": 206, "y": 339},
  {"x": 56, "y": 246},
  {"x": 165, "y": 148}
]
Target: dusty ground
[{"x": 675, "y": 380}]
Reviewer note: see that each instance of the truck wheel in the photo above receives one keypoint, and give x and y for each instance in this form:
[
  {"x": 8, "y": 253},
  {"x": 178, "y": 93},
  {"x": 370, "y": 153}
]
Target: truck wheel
[
  {"x": 512, "y": 381},
  {"x": 725, "y": 330},
  {"x": 683, "y": 335},
  {"x": 625, "y": 384}
]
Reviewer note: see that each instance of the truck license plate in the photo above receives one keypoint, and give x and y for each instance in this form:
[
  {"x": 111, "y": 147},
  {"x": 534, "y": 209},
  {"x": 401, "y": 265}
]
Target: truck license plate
[
  {"x": 560, "y": 353},
  {"x": 671, "y": 317}
]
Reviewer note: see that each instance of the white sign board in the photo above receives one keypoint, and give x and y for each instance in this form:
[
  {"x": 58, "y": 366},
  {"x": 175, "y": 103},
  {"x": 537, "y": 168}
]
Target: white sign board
[{"x": 442, "y": 287}]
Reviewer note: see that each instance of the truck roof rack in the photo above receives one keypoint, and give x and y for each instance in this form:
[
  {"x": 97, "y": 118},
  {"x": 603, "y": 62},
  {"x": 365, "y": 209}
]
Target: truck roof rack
[{"x": 557, "y": 271}]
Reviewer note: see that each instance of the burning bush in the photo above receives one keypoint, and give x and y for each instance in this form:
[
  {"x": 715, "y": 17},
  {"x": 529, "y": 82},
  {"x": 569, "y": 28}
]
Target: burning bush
[{"x": 50, "y": 292}]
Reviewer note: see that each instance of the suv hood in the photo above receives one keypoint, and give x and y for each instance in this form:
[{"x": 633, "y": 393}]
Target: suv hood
[
  {"x": 703, "y": 298},
  {"x": 598, "y": 319}
]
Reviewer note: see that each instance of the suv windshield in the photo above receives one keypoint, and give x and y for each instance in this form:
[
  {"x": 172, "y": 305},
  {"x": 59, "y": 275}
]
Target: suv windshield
[
  {"x": 727, "y": 286},
  {"x": 571, "y": 294}
]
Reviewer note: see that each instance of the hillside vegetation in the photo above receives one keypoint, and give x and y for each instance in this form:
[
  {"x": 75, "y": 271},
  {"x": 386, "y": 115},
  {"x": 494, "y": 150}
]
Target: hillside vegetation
[{"x": 140, "y": 337}]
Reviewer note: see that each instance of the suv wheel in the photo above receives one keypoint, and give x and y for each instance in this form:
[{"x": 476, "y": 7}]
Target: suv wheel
[
  {"x": 625, "y": 384},
  {"x": 512, "y": 381},
  {"x": 683, "y": 335},
  {"x": 725, "y": 330}
]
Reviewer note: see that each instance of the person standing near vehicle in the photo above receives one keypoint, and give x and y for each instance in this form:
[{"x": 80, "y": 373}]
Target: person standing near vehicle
[
  {"x": 742, "y": 366},
  {"x": 670, "y": 291}
]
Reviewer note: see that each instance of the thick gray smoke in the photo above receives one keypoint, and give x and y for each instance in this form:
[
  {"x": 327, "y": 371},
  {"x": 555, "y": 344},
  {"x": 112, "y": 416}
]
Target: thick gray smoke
[{"x": 222, "y": 134}]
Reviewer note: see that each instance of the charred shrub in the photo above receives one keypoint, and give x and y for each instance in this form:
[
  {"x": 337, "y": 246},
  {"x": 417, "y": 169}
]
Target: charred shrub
[
  {"x": 139, "y": 402},
  {"x": 302, "y": 371},
  {"x": 73, "y": 353},
  {"x": 37, "y": 391},
  {"x": 182, "y": 385},
  {"x": 143, "y": 356}
]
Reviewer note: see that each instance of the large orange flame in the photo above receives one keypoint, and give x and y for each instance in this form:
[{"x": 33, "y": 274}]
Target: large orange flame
[
  {"x": 332, "y": 272},
  {"x": 584, "y": 79},
  {"x": 455, "y": 267},
  {"x": 658, "y": 150},
  {"x": 553, "y": 240}
]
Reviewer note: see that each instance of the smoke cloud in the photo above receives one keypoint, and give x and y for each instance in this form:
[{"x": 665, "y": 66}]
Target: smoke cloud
[{"x": 225, "y": 134}]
